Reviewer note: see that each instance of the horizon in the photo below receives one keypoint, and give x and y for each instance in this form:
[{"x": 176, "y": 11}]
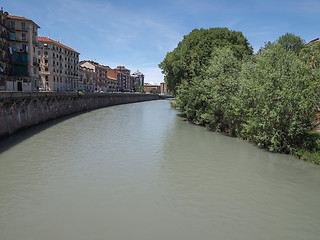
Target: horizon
[{"x": 139, "y": 34}]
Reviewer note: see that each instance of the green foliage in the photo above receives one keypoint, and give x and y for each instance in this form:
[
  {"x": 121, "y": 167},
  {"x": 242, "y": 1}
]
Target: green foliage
[
  {"x": 191, "y": 57},
  {"x": 307, "y": 155},
  {"x": 291, "y": 42},
  {"x": 270, "y": 98},
  {"x": 311, "y": 55},
  {"x": 141, "y": 89},
  {"x": 155, "y": 90},
  {"x": 281, "y": 97}
]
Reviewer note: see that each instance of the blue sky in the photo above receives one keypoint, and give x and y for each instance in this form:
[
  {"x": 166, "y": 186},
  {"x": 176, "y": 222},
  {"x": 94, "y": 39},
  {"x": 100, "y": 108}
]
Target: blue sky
[{"x": 138, "y": 34}]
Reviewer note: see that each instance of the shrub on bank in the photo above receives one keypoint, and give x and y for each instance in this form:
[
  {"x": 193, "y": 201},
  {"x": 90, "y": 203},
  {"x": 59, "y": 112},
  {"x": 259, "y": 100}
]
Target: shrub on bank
[{"x": 270, "y": 98}]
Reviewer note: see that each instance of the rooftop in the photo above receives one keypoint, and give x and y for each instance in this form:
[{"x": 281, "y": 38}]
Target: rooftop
[
  {"x": 45, "y": 39},
  {"x": 121, "y": 68},
  {"x": 13, "y": 17},
  {"x": 314, "y": 41}
]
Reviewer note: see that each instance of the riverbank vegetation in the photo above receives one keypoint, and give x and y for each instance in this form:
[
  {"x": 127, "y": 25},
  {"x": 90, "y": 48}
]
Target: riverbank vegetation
[{"x": 271, "y": 97}]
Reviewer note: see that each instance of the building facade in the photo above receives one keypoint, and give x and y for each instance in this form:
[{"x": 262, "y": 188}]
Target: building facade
[
  {"x": 87, "y": 79},
  {"x": 23, "y": 49},
  {"x": 124, "y": 79},
  {"x": 163, "y": 88},
  {"x": 104, "y": 81},
  {"x": 138, "y": 79},
  {"x": 4, "y": 51},
  {"x": 112, "y": 80},
  {"x": 58, "y": 66},
  {"x": 101, "y": 74},
  {"x": 150, "y": 87}
]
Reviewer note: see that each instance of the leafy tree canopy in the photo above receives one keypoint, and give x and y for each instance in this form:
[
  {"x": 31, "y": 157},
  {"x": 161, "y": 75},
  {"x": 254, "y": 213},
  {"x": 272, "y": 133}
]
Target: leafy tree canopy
[
  {"x": 291, "y": 42},
  {"x": 191, "y": 57}
]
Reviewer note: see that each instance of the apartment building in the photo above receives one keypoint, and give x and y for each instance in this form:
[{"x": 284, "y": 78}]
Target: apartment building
[
  {"x": 23, "y": 49},
  {"x": 125, "y": 81},
  {"x": 112, "y": 80},
  {"x": 58, "y": 66},
  {"x": 103, "y": 81},
  {"x": 138, "y": 79},
  {"x": 101, "y": 73},
  {"x": 87, "y": 79},
  {"x": 4, "y": 51}
]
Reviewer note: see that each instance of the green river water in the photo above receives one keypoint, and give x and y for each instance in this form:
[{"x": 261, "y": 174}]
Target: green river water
[{"x": 138, "y": 171}]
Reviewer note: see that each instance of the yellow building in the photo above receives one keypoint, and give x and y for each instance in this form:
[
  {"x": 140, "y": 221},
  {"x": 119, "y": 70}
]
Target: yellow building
[{"x": 59, "y": 66}]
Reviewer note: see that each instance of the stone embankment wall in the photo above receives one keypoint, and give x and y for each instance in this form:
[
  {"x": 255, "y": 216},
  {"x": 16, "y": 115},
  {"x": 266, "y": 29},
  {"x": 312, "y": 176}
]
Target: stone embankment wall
[{"x": 20, "y": 110}]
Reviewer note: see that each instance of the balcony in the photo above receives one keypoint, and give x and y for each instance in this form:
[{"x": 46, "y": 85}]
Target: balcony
[
  {"x": 20, "y": 39},
  {"x": 44, "y": 71}
]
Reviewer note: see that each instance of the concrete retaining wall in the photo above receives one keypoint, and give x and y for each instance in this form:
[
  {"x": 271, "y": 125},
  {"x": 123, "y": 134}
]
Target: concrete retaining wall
[{"x": 20, "y": 110}]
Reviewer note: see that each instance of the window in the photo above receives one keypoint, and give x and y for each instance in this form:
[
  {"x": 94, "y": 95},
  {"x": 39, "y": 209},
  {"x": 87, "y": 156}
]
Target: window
[
  {"x": 24, "y": 47},
  {"x": 12, "y": 36},
  {"x": 47, "y": 70},
  {"x": 24, "y": 37},
  {"x": 12, "y": 24},
  {"x": 23, "y": 26},
  {"x": 45, "y": 53}
]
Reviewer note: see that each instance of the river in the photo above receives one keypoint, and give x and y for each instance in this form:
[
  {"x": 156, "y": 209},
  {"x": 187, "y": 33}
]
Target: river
[{"x": 139, "y": 171}]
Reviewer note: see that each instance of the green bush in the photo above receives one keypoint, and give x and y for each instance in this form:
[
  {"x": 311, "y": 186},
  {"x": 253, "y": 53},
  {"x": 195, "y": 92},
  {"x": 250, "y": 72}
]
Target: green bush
[{"x": 270, "y": 98}]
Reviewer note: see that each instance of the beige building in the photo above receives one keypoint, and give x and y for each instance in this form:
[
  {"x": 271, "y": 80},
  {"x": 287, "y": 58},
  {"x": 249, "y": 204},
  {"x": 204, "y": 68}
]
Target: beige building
[
  {"x": 23, "y": 48},
  {"x": 103, "y": 82},
  {"x": 58, "y": 66},
  {"x": 87, "y": 79}
]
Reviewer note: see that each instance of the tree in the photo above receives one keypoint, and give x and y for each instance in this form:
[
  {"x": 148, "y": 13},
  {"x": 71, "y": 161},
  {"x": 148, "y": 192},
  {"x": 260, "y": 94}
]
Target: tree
[
  {"x": 141, "y": 89},
  {"x": 155, "y": 90},
  {"x": 281, "y": 94},
  {"x": 190, "y": 59},
  {"x": 291, "y": 42}
]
